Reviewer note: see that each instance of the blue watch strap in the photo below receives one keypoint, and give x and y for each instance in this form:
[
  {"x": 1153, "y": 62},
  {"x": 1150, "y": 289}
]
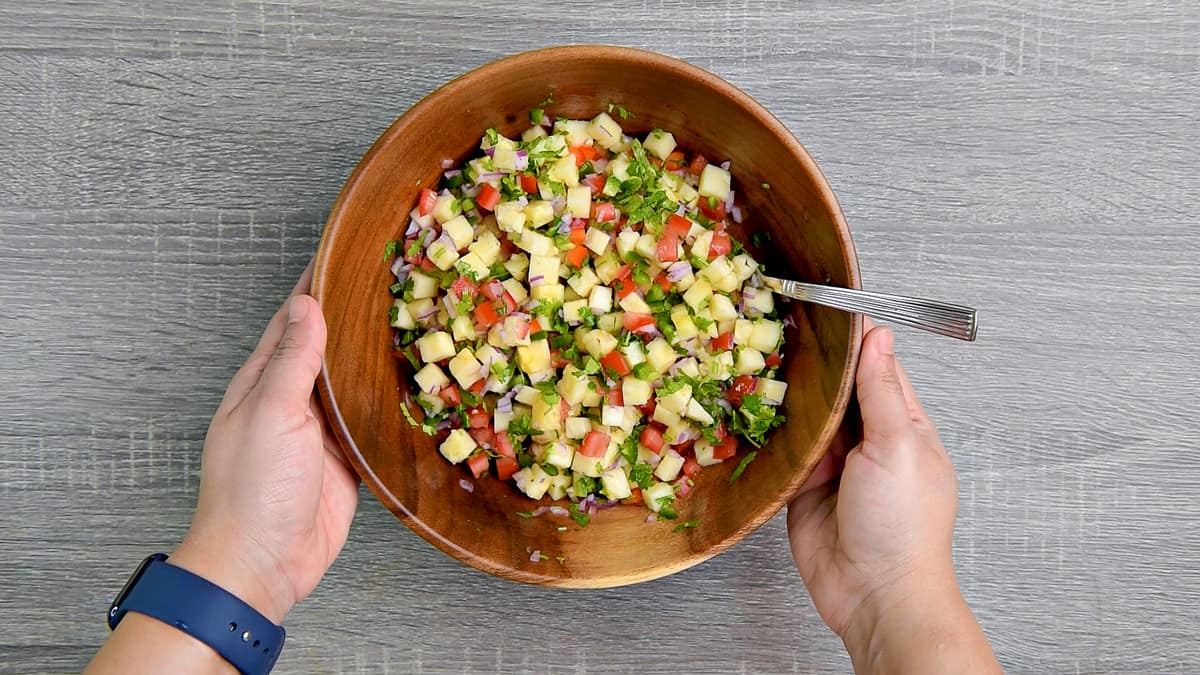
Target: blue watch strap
[{"x": 200, "y": 608}]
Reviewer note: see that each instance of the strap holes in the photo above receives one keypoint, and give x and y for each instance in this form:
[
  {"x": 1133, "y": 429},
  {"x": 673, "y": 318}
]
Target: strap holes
[
  {"x": 256, "y": 644},
  {"x": 246, "y": 636},
  {"x": 232, "y": 626}
]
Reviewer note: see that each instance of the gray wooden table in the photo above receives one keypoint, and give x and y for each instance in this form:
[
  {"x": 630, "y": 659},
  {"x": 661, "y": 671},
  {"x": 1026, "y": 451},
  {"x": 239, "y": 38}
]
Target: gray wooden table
[{"x": 166, "y": 167}]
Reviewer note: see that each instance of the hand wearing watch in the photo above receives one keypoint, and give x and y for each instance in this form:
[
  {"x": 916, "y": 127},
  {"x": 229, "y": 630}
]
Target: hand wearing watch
[{"x": 200, "y": 608}]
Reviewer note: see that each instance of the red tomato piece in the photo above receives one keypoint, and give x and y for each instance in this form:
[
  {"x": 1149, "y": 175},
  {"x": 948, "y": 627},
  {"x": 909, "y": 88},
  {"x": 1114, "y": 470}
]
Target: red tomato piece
[
  {"x": 521, "y": 327},
  {"x": 576, "y": 256},
  {"x": 583, "y": 153},
  {"x": 683, "y": 486},
  {"x": 622, "y": 284},
  {"x": 716, "y": 212},
  {"x": 634, "y": 321},
  {"x": 492, "y": 290},
  {"x": 697, "y": 165},
  {"x": 485, "y": 315},
  {"x": 415, "y": 257},
  {"x": 635, "y": 496},
  {"x": 427, "y": 265},
  {"x": 450, "y": 395},
  {"x": 484, "y": 436},
  {"x": 720, "y": 244},
  {"x": 742, "y": 385},
  {"x": 721, "y": 343},
  {"x": 668, "y": 247},
  {"x": 615, "y": 396},
  {"x": 725, "y": 449},
  {"x": 691, "y": 467},
  {"x": 478, "y": 464},
  {"x": 578, "y": 235},
  {"x": 647, "y": 409},
  {"x": 564, "y": 408},
  {"x": 426, "y": 201},
  {"x": 678, "y": 225},
  {"x": 478, "y": 418},
  {"x": 595, "y": 182},
  {"x": 488, "y": 197},
  {"x": 773, "y": 360},
  {"x": 652, "y": 437},
  {"x": 604, "y": 212},
  {"x": 663, "y": 282},
  {"x": 510, "y": 305},
  {"x": 675, "y": 161},
  {"x": 614, "y": 361},
  {"x": 464, "y": 287},
  {"x": 529, "y": 183},
  {"x": 477, "y": 388},
  {"x": 595, "y": 444},
  {"x": 557, "y": 360},
  {"x": 504, "y": 445},
  {"x": 506, "y": 467}
]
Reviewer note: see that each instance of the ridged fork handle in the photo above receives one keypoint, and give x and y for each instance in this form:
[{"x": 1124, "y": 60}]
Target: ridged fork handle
[{"x": 943, "y": 318}]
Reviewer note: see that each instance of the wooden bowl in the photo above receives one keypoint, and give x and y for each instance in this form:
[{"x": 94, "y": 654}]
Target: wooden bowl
[{"x": 362, "y": 385}]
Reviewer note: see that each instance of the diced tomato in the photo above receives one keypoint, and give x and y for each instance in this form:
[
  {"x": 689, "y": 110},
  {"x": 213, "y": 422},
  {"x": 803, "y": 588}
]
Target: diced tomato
[
  {"x": 595, "y": 444},
  {"x": 564, "y": 408},
  {"x": 478, "y": 464},
  {"x": 726, "y": 448},
  {"x": 720, "y": 244},
  {"x": 504, "y": 445},
  {"x": 427, "y": 265},
  {"x": 663, "y": 282},
  {"x": 742, "y": 385},
  {"x": 506, "y": 467},
  {"x": 557, "y": 360},
  {"x": 675, "y": 161},
  {"x": 485, "y": 315},
  {"x": 615, "y": 396},
  {"x": 622, "y": 284},
  {"x": 697, "y": 165},
  {"x": 529, "y": 183},
  {"x": 478, "y": 418},
  {"x": 648, "y": 407},
  {"x": 685, "y": 447},
  {"x": 488, "y": 197},
  {"x": 655, "y": 162},
  {"x": 678, "y": 225},
  {"x": 492, "y": 290},
  {"x": 583, "y": 153},
  {"x": 773, "y": 359},
  {"x": 691, "y": 467},
  {"x": 614, "y": 361},
  {"x": 635, "y": 496},
  {"x": 417, "y": 254},
  {"x": 576, "y": 256},
  {"x": 652, "y": 437},
  {"x": 426, "y": 201},
  {"x": 668, "y": 247},
  {"x": 722, "y": 343},
  {"x": 521, "y": 327},
  {"x": 477, "y": 387},
  {"x": 716, "y": 212},
  {"x": 535, "y": 325},
  {"x": 683, "y": 486},
  {"x": 720, "y": 432},
  {"x": 604, "y": 212},
  {"x": 485, "y": 437},
  {"x": 578, "y": 235},
  {"x": 464, "y": 287},
  {"x": 595, "y": 182},
  {"x": 510, "y": 304},
  {"x": 507, "y": 248},
  {"x": 450, "y": 395},
  {"x": 634, "y": 321}
]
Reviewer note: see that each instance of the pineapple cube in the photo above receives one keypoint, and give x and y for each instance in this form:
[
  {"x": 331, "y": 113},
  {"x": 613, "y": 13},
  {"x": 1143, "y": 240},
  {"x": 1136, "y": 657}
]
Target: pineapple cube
[
  {"x": 646, "y": 247},
  {"x": 547, "y": 417},
  {"x": 443, "y": 253},
  {"x": 445, "y": 208},
  {"x": 423, "y": 285},
  {"x": 422, "y": 308},
  {"x": 687, "y": 194},
  {"x": 474, "y": 265},
  {"x": 654, "y": 495},
  {"x": 573, "y": 385},
  {"x": 772, "y": 391},
  {"x": 510, "y": 216},
  {"x": 660, "y": 143},
  {"x": 744, "y": 266},
  {"x": 533, "y": 481},
  {"x": 722, "y": 308},
  {"x": 605, "y": 130},
  {"x": 742, "y": 328},
  {"x": 539, "y": 212},
  {"x": 579, "y": 201},
  {"x": 504, "y": 155},
  {"x": 487, "y": 247},
  {"x": 460, "y": 231},
  {"x": 588, "y": 466},
  {"x": 583, "y": 281},
  {"x": 634, "y": 353},
  {"x": 616, "y": 484},
  {"x": 721, "y": 275},
  {"x": 619, "y": 167},
  {"x": 458, "y": 446},
  {"x": 550, "y": 292},
  {"x": 501, "y": 420},
  {"x": 560, "y": 455},
  {"x": 526, "y": 395},
  {"x": 592, "y": 399},
  {"x": 684, "y": 326},
  {"x": 660, "y": 355},
  {"x": 699, "y": 295},
  {"x": 575, "y": 130},
  {"x": 749, "y": 361},
  {"x": 536, "y": 243},
  {"x": 612, "y": 415},
  {"x": 466, "y": 368},
  {"x": 404, "y": 318},
  {"x": 463, "y": 329},
  {"x": 431, "y": 378},
  {"x": 516, "y": 289},
  {"x": 720, "y": 367},
  {"x": 600, "y": 299},
  {"x": 704, "y": 453},
  {"x": 597, "y": 240},
  {"x": 607, "y": 267},
  {"x": 763, "y": 302},
  {"x": 543, "y": 269},
  {"x": 534, "y": 357},
  {"x": 598, "y": 342},
  {"x": 714, "y": 182},
  {"x": 558, "y": 485},
  {"x": 634, "y": 303},
  {"x": 765, "y": 336},
  {"x": 669, "y": 466},
  {"x": 635, "y": 391},
  {"x": 571, "y": 311},
  {"x": 676, "y": 402},
  {"x": 432, "y": 404},
  {"x": 565, "y": 171},
  {"x": 702, "y": 244},
  {"x": 578, "y": 427},
  {"x": 666, "y": 417},
  {"x": 697, "y": 412},
  {"x": 626, "y": 242},
  {"x": 688, "y": 367},
  {"x": 609, "y": 323},
  {"x": 435, "y": 346},
  {"x": 533, "y": 133},
  {"x": 517, "y": 265}
]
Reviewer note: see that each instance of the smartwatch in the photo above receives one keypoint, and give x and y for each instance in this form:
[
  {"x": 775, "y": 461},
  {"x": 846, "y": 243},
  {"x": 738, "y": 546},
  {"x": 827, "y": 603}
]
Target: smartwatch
[{"x": 200, "y": 608}]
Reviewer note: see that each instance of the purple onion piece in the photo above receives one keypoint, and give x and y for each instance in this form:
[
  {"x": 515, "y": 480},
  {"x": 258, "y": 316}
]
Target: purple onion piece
[
  {"x": 564, "y": 224},
  {"x": 651, "y": 518},
  {"x": 536, "y": 556},
  {"x": 489, "y": 151},
  {"x": 736, "y": 212},
  {"x": 559, "y": 511},
  {"x": 447, "y": 163},
  {"x": 466, "y": 485},
  {"x": 725, "y": 405},
  {"x": 451, "y": 173},
  {"x": 536, "y": 280},
  {"x": 678, "y": 270},
  {"x": 729, "y": 200},
  {"x": 789, "y": 321},
  {"x": 540, "y": 510},
  {"x": 521, "y": 160},
  {"x": 681, "y": 210},
  {"x": 450, "y": 308},
  {"x": 726, "y": 164},
  {"x": 398, "y": 269}
]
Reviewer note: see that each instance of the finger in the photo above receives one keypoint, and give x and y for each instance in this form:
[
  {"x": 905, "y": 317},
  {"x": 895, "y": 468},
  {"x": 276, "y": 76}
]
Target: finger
[
  {"x": 880, "y": 393},
  {"x": 247, "y": 376},
  {"x": 287, "y": 380},
  {"x": 916, "y": 411},
  {"x": 829, "y": 468}
]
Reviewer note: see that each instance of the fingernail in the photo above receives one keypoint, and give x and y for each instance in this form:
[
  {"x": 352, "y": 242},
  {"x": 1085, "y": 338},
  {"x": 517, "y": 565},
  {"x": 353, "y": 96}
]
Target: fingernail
[
  {"x": 885, "y": 342},
  {"x": 297, "y": 310}
]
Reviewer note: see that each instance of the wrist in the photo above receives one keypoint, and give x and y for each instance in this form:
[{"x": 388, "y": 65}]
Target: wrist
[{"x": 253, "y": 581}]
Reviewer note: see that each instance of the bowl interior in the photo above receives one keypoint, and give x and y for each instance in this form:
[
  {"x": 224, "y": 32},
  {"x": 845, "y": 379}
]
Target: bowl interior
[{"x": 362, "y": 385}]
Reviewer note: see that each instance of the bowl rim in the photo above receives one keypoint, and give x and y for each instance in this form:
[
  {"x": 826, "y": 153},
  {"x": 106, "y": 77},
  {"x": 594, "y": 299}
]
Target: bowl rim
[{"x": 720, "y": 87}]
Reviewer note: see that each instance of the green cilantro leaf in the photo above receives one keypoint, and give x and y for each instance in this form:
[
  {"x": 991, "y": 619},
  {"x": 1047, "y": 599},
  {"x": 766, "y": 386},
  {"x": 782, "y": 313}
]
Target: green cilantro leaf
[
  {"x": 686, "y": 525},
  {"x": 741, "y": 467},
  {"x": 389, "y": 250}
]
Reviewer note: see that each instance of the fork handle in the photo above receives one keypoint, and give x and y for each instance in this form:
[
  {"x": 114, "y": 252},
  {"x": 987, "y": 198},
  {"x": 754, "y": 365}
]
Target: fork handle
[{"x": 943, "y": 318}]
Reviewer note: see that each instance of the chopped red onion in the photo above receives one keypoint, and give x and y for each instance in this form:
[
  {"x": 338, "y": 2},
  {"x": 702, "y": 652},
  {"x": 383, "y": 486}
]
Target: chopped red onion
[
  {"x": 470, "y": 190},
  {"x": 488, "y": 177},
  {"x": 729, "y": 201},
  {"x": 452, "y": 173},
  {"x": 445, "y": 192},
  {"x": 726, "y": 164},
  {"x": 608, "y": 504},
  {"x": 680, "y": 172},
  {"x": 523, "y": 201},
  {"x": 592, "y": 509},
  {"x": 652, "y": 517},
  {"x": 521, "y": 160},
  {"x": 547, "y": 122},
  {"x": 536, "y": 556},
  {"x": 685, "y": 435},
  {"x": 678, "y": 270},
  {"x": 654, "y": 459},
  {"x": 558, "y": 203},
  {"x": 600, "y": 164},
  {"x": 736, "y": 212},
  {"x": 466, "y": 485},
  {"x": 453, "y": 311},
  {"x": 447, "y": 163},
  {"x": 681, "y": 210},
  {"x": 536, "y": 280},
  {"x": 540, "y": 510},
  {"x": 504, "y": 405},
  {"x": 725, "y": 405},
  {"x": 490, "y": 150},
  {"x": 443, "y": 425},
  {"x": 748, "y": 293},
  {"x": 413, "y": 228},
  {"x": 400, "y": 269},
  {"x": 564, "y": 224},
  {"x": 789, "y": 321},
  {"x": 421, "y": 220},
  {"x": 396, "y": 338},
  {"x": 428, "y": 313},
  {"x": 559, "y": 511},
  {"x": 756, "y": 279},
  {"x": 541, "y": 375},
  {"x": 446, "y": 242}
]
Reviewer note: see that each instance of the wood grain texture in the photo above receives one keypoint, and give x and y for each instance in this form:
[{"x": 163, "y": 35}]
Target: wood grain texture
[{"x": 166, "y": 168}]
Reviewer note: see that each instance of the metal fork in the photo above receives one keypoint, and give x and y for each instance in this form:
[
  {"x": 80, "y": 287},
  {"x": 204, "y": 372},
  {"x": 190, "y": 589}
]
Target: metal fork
[{"x": 943, "y": 318}]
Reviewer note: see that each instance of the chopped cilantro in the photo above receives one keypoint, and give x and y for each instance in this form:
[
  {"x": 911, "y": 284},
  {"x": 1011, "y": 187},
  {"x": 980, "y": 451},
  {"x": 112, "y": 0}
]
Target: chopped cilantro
[
  {"x": 621, "y": 111},
  {"x": 754, "y": 419},
  {"x": 549, "y": 393},
  {"x": 666, "y": 507},
  {"x": 491, "y": 136},
  {"x": 588, "y": 318},
  {"x": 522, "y": 426},
  {"x": 760, "y": 239},
  {"x": 581, "y": 518},
  {"x": 629, "y": 448},
  {"x": 741, "y": 467},
  {"x": 584, "y": 485},
  {"x": 393, "y": 314},
  {"x": 547, "y": 101},
  {"x": 550, "y": 469},
  {"x": 562, "y": 559},
  {"x": 525, "y": 514},
  {"x": 686, "y": 525},
  {"x": 536, "y": 115},
  {"x": 590, "y": 365},
  {"x": 644, "y": 371},
  {"x": 642, "y": 474},
  {"x": 414, "y": 247},
  {"x": 389, "y": 250}
]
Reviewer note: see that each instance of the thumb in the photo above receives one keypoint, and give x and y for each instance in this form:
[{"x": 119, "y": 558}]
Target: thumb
[
  {"x": 287, "y": 381},
  {"x": 880, "y": 392}
]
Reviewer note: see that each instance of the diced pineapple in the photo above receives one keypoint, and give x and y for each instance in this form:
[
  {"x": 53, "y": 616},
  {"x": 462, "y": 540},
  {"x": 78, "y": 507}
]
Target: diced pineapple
[
  {"x": 534, "y": 357},
  {"x": 445, "y": 208},
  {"x": 558, "y": 485},
  {"x": 539, "y": 212},
  {"x": 660, "y": 142},
  {"x": 512, "y": 327},
  {"x": 431, "y": 378},
  {"x": 458, "y": 446},
  {"x": 598, "y": 342},
  {"x": 635, "y": 391},
  {"x": 443, "y": 253},
  {"x": 583, "y": 281},
  {"x": 510, "y": 216},
  {"x": 720, "y": 367},
  {"x": 634, "y": 303},
  {"x": 500, "y": 420},
  {"x": 551, "y": 292},
  {"x": 592, "y": 399},
  {"x": 432, "y": 404},
  {"x": 435, "y": 346},
  {"x": 547, "y": 416},
  {"x": 504, "y": 155},
  {"x": 634, "y": 353},
  {"x": 654, "y": 495},
  {"x": 749, "y": 361},
  {"x": 533, "y": 481},
  {"x": 697, "y": 412},
  {"x": 422, "y": 308},
  {"x": 688, "y": 195},
  {"x": 474, "y": 265},
  {"x": 423, "y": 285},
  {"x": 742, "y": 328},
  {"x": 516, "y": 289},
  {"x": 560, "y": 455},
  {"x": 615, "y": 484},
  {"x": 626, "y": 242},
  {"x": 460, "y": 231},
  {"x": 612, "y": 415},
  {"x": 565, "y": 171},
  {"x": 714, "y": 182},
  {"x": 607, "y": 267},
  {"x": 646, "y": 247},
  {"x": 610, "y": 323},
  {"x": 765, "y": 336},
  {"x": 702, "y": 244},
  {"x": 536, "y": 243},
  {"x": 669, "y": 466},
  {"x": 533, "y": 133},
  {"x": 699, "y": 295},
  {"x": 619, "y": 167},
  {"x": 704, "y": 453},
  {"x": 579, "y": 201},
  {"x": 487, "y": 247},
  {"x": 463, "y": 329},
  {"x": 517, "y": 265},
  {"x": 722, "y": 308},
  {"x": 720, "y": 274},
  {"x": 466, "y": 368},
  {"x": 676, "y": 402},
  {"x": 684, "y": 326},
  {"x": 573, "y": 384},
  {"x": 688, "y": 367},
  {"x": 772, "y": 391},
  {"x": 575, "y": 130},
  {"x": 660, "y": 355},
  {"x": 600, "y": 299},
  {"x": 526, "y": 395},
  {"x": 605, "y": 130},
  {"x": 597, "y": 240},
  {"x": 762, "y": 302},
  {"x": 588, "y": 466},
  {"x": 543, "y": 269},
  {"x": 571, "y": 311},
  {"x": 744, "y": 266},
  {"x": 666, "y": 417},
  {"x": 578, "y": 427},
  {"x": 404, "y": 318}
]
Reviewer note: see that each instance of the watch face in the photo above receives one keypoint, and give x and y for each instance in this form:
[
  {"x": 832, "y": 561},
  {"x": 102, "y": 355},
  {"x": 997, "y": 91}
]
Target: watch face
[{"x": 114, "y": 610}]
